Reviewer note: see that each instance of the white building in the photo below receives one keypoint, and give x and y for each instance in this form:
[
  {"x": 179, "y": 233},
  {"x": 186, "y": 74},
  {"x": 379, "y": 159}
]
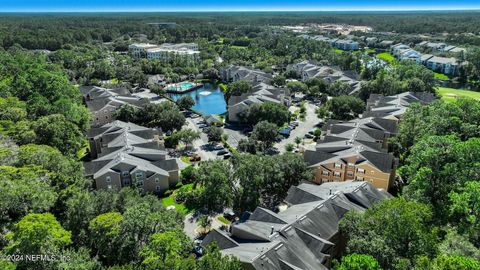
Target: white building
[{"x": 165, "y": 51}]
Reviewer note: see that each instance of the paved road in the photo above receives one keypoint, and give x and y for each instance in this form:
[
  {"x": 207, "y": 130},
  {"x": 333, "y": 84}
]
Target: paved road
[
  {"x": 201, "y": 144},
  {"x": 304, "y": 127},
  {"x": 191, "y": 225}
]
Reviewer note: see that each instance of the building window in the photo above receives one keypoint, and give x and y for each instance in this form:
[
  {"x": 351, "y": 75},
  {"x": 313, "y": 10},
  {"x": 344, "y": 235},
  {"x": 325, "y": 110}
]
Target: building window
[
  {"x": 325, "y": 173},
  {"x": 359, "y": 178},
  {"x": 324, "y": 180},
  {"x": 125, "y": 173},
  {"x": 157, "y": 188},
  {"x": 351, "y": 165},
  {"x": 109, "y": 179},
  {"x": 337, "y": 165},
  {"x": 360, "y": 170},
  {"x": 141, "y": 182},
  {"x": 157, "y": 180},
  {"x": 138, "y": 174},
  {"x": 337, "y": 174},
  {"x": 350, "y": 173}
]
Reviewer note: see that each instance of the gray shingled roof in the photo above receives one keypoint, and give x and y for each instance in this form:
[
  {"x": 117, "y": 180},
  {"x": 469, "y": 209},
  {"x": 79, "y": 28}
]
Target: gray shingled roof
[{"x": 305, "y": 241}]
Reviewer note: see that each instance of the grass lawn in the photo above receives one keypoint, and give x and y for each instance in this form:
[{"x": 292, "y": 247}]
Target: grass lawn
[
  {"x": 182, "y": 208},
  {"x": 82, "y": 152},
  {"x": 224, "y": 220},
  {"x": 441, "y": 76},
  {"x": 186, "y": 159},
  {"x": 386, "y": 56},
  {"x": 450, "y": 94},
  {"x": 369, "y": 50},
  {"x": 339, "y": 51}
]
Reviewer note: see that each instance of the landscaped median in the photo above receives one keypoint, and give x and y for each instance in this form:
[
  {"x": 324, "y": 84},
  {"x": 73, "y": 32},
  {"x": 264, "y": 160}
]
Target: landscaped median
[{"x": 450, "y": 94}]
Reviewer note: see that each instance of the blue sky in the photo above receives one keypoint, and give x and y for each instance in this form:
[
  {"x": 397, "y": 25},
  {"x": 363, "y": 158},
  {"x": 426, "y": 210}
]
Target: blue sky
[{"x": 231, "y": 5}]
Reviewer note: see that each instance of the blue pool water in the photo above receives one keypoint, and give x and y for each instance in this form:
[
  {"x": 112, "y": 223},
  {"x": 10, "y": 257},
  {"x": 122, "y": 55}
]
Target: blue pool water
[{"x": 208, "y": 99}]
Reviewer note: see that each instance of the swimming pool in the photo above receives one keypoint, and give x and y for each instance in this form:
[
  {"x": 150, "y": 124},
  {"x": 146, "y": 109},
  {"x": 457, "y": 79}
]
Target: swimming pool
[
  {"x": 180, "y": 87},
  {"x": 209, "y": 99}
]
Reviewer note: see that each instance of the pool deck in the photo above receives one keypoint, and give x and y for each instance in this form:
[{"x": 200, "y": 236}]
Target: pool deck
[{"x": 178, "y": 90}]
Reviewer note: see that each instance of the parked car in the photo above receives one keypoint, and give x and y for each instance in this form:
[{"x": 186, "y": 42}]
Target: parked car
[
  {"x": 227, "y": 156},
  {"x": 272, "y": 151},
  {"x": 222, "y": 152},
  {"x": 309, "y": 136},
  {"x": 218, "y": 147}
]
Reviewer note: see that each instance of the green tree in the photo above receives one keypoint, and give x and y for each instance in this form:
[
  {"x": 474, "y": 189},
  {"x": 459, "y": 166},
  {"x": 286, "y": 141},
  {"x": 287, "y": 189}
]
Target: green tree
[
  {"x": 168, "y": 250},
  {"x": 24, "y": 190},
  {"x": 289, "y": 147},
  {"x": 213, "y": 260},
  {"x": 345, "y": 107},
  {"x": 438, "y": 165},
  {"x": 357, "y": 262},
  {"x": 185, "y": 102},
  {"x": 214, "y": 134},
  {"x": 338, "y": 88},
  {"x": 38, "y": 234},
  {"x": 460, "y": 117},
  {"x": 187, "y": 175},
  {"x": 297, "y": 87},
  {"x": 447, "y": 263},
  {"x": 78, "y": 260},
  {"x": 279, "y": 80},
  {"x": 105, "y": 232},
  {"x": 55, "y": 130},
  {"x": 237, "y": 88},
  {"x": 247, "y": 146},
  {"x": 266, "y": 133},
  {"x": 215, "y": 185},
  {"x": 187, "y": 136},
  {"x": 465, "y": 210},
  {"x": 458, "y": 245},
  {"x": 394, "y": 232},
  {"x": 267, "y": 111}
]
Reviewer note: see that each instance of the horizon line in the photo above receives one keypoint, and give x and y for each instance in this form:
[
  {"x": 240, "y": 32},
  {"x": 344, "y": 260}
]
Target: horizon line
[{"x": 240, "y": 10}]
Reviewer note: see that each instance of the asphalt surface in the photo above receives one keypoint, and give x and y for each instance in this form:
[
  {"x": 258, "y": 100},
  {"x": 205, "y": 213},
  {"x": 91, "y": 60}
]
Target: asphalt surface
[{"x": 311, "y": 120}]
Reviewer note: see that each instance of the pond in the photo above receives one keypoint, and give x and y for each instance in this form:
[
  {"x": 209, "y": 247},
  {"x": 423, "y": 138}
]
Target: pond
[{"x": 208, "y": 99}]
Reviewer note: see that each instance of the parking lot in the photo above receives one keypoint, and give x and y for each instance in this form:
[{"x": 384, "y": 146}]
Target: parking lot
[{"x": 311, "y": 120}]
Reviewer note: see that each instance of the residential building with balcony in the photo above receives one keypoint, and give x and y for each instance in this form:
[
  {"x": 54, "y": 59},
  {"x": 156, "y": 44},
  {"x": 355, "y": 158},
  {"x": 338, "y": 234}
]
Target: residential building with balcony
[{"x": 125, "y": 154}]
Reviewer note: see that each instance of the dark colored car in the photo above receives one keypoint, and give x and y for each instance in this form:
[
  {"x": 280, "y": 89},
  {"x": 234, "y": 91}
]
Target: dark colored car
[{"x": 222, "y": 152}]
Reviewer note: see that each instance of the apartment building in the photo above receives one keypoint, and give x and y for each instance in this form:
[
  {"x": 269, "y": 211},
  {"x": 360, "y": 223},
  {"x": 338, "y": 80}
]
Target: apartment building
[
  {"x": 370, "y": 129},
  {"x": 261, "y": 92},
  {"x": 234, "y": 73},
  {"x": 393, "y": 107},
  {"x": 342, "y": 44},
  {"x": 345, "y": 44},
  {"x": 305, "y": 235},
  {"x": 103, "y": 102},
  {"x": 308, "y": 69},
  {"x": 165, "y": 51},
  {"x": 444, "y": 65},
  {"x": 339, "y": 160},
  {"x": 125, "y": 154}
]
